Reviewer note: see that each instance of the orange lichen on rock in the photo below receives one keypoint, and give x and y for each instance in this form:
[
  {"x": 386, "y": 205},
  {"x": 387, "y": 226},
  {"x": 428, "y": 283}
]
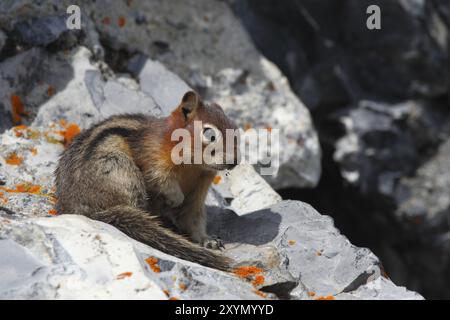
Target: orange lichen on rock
[
  {"x": 122, "y": 21},
  {"x": 24, "y": 188},
  {"x": 52, "y": 212},
  {"x": 247, "y": 271},
  {"x": 173, "y": 298},
  {"x": 26, "y": 132},
  {"x": 217, "y": 179},
  {"x": 182, "y": 286},
  {"x": 269, "y": 129},
  {"x": 292, "y": 242},
  {"x": 70, "y": 132},
  {"x": 124, "y": 275},
  {"x": 325, "y": 298},
  {"x": 27, "y": 188},
  {"x": 18, "y": 109},
  {"x": 33, "y": 151},
  {"x": 250, "y": 273},
  {"x": 260, "y": 293},
  {"x": 247, "y": 126},
  {"x": 19, "y": 130},
  {"x": 13, "y": 159},
  {"x": 153, "y": 264},
  {"x": 33, "y": 189},
  {"x": 311, "y": 293},
  {"x": 258, "y": 281}
]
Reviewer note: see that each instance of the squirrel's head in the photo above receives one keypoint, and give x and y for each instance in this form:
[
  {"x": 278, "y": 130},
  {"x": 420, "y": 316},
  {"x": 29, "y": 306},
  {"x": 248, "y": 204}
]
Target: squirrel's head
[{"x": 213, "y": 136}]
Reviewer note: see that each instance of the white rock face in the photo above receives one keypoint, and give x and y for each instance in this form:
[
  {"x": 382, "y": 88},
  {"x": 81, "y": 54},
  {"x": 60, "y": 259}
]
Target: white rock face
[
  {"x": 242, "y": 190},
  {"x": 96, "y": 98},
  {"x": 380, "y": 289},
  {"x": 70, "y": 257}
]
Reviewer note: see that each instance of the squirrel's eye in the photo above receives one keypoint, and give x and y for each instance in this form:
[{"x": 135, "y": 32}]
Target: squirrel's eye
[{"x": 210, "y": 135}]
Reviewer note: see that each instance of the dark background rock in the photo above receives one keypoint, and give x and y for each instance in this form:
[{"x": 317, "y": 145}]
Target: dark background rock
[
  {"x": 2, "y": 40},
  {"x": 379, "y": 100},
  {"x": 39, "y": 31}
]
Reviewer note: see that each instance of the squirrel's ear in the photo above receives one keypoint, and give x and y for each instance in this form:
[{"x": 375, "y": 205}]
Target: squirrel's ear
[{"x": 190, "y": 102}]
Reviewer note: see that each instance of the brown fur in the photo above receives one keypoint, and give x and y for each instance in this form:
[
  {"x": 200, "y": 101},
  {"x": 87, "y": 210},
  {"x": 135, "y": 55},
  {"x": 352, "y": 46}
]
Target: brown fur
[{"x": 120, "y": 172}]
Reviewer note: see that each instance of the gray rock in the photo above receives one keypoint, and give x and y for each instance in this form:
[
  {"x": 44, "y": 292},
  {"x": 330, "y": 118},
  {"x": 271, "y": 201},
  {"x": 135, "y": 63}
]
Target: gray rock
[
  {"x": 92, "y": 94},
  {"x": 380, "y": 289},
  {"x": 423, "y": 206},
  {"x": 382, "y": 143},
  {"x": 18, "y": 75},
  {"x": 117, "y": 96},
  {"x": 311, "y": 249},
  {"x": 420, "y": 73},
  {"x": 424, "y": 198},
  {"x": 161, "y": 84},
  {"x": 231, "y": 191},
  {"x": 16, "y": 264},
  {"x": 40, "y": 31}
]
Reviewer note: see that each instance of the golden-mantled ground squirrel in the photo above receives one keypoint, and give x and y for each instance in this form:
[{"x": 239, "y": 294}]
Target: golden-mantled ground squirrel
[{"x": 120, "y": 172}]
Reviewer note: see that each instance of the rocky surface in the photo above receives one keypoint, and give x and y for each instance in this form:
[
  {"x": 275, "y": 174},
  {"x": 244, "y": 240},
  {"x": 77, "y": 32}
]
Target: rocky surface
[
  {"x": 297, "y": 253},
  {"x": 139, "y": 56},
  {"x": 379, "y": 100}
]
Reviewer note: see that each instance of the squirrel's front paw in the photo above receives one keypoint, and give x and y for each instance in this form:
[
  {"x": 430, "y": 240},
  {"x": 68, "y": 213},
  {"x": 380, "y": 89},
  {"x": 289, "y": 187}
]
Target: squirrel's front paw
[
  {"x": 173, "y": 195},
  {"x": 174, "y": 199},
  {"x": 213, "y": 242}
]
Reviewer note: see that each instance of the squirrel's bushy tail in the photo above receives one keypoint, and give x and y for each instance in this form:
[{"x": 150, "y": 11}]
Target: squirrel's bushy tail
[{"x": 143, "y": 227}]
